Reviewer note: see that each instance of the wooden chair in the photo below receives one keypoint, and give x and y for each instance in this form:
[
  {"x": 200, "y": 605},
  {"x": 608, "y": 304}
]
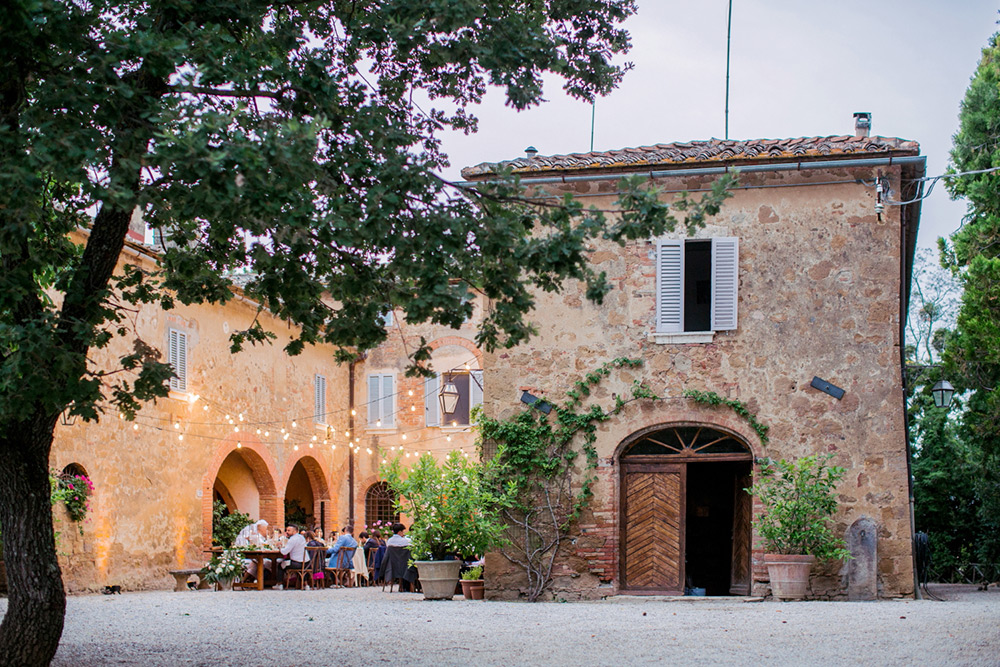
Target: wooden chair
[
  {"x": 303, "y": 574},
  {"x": 317, "y": 566},
  {"x": 343, "y": 567}
]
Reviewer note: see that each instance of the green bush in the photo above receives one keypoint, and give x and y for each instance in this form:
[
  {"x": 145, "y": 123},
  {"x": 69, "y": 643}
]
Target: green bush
[
  {"x": 799, "y": 499},
  {"x": 225, "y": 527}
]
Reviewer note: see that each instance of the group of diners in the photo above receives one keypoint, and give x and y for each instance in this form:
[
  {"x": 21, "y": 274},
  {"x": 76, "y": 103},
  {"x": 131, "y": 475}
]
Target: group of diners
[{"x": 294, "y": 546}]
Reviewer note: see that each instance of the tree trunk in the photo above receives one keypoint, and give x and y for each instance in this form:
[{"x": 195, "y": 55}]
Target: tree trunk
[{"x": 36, "y": 605}]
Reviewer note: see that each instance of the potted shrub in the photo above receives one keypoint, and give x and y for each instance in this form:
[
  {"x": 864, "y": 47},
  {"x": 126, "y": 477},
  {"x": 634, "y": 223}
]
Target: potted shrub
[
  {"x": 799, "y": 501},
  {"x": 473, "y": 587},
  {"x": 453, "y": 513}
]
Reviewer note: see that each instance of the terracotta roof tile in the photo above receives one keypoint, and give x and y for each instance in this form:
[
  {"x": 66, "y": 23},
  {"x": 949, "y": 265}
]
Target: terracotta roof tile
[{"x": 697, "y": 153}]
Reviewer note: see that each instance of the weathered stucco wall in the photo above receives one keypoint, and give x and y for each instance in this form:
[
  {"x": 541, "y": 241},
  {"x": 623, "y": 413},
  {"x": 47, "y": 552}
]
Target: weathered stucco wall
[
  {"x": 151, "y": 508},
  {"x": 819, "y": 291}
]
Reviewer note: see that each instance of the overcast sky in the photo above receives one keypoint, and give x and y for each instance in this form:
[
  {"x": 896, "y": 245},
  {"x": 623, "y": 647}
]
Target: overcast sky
[{"x": 799, "y": 68}]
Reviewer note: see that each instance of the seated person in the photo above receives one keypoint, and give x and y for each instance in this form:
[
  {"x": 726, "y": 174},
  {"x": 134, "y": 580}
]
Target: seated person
[
  {"x": 312, "y": 540},
  {"x": 318, "y": 536},
  {"x": 397, "y": 539},
  {"x": 253, "y": 535},
  {"x": 295, "y": 549},
  {"x": 346, "y": 539}
]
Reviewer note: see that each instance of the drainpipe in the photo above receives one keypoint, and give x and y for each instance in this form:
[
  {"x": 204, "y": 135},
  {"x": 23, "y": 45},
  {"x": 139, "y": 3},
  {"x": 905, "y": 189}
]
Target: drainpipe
[{"x": 350, "y": 448}]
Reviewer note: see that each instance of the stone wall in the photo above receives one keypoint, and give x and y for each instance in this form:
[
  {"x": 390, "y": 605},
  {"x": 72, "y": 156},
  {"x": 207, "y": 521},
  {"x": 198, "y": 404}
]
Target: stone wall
[{"x": 819, "y": 295}]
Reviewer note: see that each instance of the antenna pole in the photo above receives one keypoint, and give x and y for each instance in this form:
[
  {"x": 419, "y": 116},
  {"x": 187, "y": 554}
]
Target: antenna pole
[
  {"x": 593, "y": 113},
  {"x": 729, "y": 32}
]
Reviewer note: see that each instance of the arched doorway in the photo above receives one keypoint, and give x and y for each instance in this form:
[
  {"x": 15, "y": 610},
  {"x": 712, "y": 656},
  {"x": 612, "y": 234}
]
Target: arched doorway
[
  {"x": 685, "y": 519},
  {"x": 241, "y": 475},
  {"x": 307, "y": 494}
]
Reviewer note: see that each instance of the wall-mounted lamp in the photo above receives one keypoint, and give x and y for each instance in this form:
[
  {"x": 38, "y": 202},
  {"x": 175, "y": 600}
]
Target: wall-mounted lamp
[
  {"x": 66, "y": 418},
  {"x": 942, "y": 393},
  {"x": 449, "y": 397}
]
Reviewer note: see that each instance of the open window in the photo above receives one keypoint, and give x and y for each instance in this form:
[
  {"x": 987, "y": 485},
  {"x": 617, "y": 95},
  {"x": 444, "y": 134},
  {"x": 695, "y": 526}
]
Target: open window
[{"x": 696, "y": 284}]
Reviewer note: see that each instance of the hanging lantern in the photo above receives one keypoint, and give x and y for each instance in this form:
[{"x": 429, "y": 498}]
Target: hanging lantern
[
  {"x": 942, "y": 393},
  {"x": 449, "y": 397}
]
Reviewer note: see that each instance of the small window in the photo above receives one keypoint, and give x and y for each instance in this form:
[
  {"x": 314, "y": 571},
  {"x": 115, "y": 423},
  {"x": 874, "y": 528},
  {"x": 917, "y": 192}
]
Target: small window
[
  {"x": 696, "y": 285},
  {"x": 380, "y": 506},
  {"x": 381, "y": 401},
  {"x": 319, "y": 399},
  {"x": 177, "y": 358}
]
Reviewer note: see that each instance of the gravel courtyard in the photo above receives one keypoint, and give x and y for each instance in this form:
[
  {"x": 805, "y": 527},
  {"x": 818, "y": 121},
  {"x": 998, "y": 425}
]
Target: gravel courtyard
[{"x": 369, "y": 627}]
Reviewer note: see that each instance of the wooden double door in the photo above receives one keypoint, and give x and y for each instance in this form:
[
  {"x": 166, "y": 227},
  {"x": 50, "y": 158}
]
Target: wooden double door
[{"x": 675, "y": 537}]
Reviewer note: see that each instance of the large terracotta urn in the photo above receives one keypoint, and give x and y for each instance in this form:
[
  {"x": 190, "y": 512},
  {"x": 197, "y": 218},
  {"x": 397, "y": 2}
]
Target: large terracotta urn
[
  {"x": 438, "y": 578},
  {"x": 789, "y": 575}
]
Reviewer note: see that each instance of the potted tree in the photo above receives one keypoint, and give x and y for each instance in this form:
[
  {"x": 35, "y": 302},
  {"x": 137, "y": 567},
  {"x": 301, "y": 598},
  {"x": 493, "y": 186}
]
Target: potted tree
[
  {"x": 799, "y": 500},
  {"x": 454, "y": 515}
]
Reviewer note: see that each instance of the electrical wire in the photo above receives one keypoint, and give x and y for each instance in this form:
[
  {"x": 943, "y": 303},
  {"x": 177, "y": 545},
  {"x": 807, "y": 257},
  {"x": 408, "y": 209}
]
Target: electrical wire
[{"x": 933, "y": 180}]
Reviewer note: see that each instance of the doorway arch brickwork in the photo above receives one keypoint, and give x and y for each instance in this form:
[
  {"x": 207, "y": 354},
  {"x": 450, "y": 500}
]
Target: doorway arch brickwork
[{"x": 261, "y": 464}]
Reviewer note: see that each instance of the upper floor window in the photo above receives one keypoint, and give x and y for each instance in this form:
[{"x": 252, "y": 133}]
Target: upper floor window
[
  {"x": 470, "y": 394},
  {"x": 381, "y": 401},
  {"x": 177, "y": 358},
  {"x": 696, "y": 284},
  {"x": 319, "y": 399}
]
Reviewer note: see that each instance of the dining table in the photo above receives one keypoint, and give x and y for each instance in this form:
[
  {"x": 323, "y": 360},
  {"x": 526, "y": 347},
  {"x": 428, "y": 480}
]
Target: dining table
[{"x": 259, "y": 555}]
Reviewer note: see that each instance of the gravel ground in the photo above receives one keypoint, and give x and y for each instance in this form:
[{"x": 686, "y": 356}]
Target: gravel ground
[{"x": 368, "y": 627}]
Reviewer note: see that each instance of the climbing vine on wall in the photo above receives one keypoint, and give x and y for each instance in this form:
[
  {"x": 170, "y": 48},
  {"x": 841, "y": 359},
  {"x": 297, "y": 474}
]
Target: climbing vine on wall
[
  {"x": 536, "y": 462},
  {"x": 737, "y": 406}
]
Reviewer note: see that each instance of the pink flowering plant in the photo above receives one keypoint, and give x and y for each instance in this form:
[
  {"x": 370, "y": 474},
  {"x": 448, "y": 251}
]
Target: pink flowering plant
[
  {"x": 383, "y": 527},
  {"x": 74, "y": 492}
]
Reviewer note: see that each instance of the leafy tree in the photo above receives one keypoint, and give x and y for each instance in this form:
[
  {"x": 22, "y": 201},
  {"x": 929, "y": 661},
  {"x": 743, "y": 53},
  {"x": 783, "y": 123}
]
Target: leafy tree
[
  {"x": 972, "y": 353},
  {"x": 280, "y": 138},
  {"x": 227, "y": 525}
]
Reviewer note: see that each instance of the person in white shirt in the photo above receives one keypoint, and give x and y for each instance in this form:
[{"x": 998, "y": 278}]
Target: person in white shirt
[
  {"x": 397, "y": 539},
  {"x": 253, "y": 535},
  {"x": 295, "y": 549}
]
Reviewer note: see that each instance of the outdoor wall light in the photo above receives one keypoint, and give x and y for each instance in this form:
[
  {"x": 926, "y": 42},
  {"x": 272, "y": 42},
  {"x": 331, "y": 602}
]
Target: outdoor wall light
[
  {"x": 942, "y": 393},
  {"x": 449, "y": 397}
]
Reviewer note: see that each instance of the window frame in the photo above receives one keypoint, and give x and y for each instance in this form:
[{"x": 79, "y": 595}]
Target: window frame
[
  {"x": 381, "y": 406},
  {"x": 670, "y": 284},
  {"x": 177, "y": 358}
]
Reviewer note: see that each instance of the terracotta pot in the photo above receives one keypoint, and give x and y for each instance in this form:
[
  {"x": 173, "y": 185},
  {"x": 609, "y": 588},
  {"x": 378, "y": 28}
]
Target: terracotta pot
[
  {"x": 438, "y": 578},
  {"x": 474, "y": 589},
  {"x": 789, "y": 575}
]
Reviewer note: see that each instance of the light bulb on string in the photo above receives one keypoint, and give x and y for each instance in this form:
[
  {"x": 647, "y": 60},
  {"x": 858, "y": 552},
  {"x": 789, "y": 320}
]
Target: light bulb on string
[
  {"x": 354, "y": 413},
  {"x": 177, "y": 425},
  {"x": 413, "y": 408},
  {"x": 135, "y": 427},
  {"x": 448, "y": 438},
  {"x": 295, "y": 448},
  {"x": 240, "y": 416},
  {"x": 347, "y": 434},
  {"x": 282, "y": 429},
  {"x": 286, "y": 436},
  {"x": 378, "y": 423},
  {"x": 295, "y": 424},
  {"x": 258, "y": 431},
  {"x": 368, "y": 449},
  {"x": 180, "y": 436},
  {"x": 315, "y": 438},
  {"x": 409, "y": 393},
  {"x": 239, "y": 445},
  {"x": 204, "y": 408},
  {"x": 333, "y": 447},
  {"x": 236, "y": 429},
  {"x": 121, "y": 415},
  {"x": 267, "y": 434}
]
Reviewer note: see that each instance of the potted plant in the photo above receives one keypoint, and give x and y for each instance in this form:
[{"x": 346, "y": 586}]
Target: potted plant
[
  {"x": 224, "y": 569},
  {"x": 799, "y": 500},
  {"x": 454, "y": 515},
  {"x": 473, "y": 587}
]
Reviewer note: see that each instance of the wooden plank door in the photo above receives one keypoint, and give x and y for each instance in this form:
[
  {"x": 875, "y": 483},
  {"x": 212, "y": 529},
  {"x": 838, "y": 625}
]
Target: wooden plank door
[
  {"x": 653, "y": 515},
  {"x": 739, "y": 580}
]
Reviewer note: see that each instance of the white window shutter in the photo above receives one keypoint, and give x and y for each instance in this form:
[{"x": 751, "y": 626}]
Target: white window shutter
[
  {"x": 177, "y": 358},
  {"x": 319, "y": 399},
  {"x": 670, "y": 286},
  {"x": 432, "y": 405},
  {"x": 725, "y": 281},
  {"x": 476, "y": 388},
  {"x": 374, "y": 402},
  {"x": 388, "y": 399}
]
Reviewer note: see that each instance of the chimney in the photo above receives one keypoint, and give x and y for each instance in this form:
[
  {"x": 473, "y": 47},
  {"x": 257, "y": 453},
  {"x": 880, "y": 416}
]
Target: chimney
[
  {"x": 862, "y": 124},
  {"x": 530, "y": 152}
]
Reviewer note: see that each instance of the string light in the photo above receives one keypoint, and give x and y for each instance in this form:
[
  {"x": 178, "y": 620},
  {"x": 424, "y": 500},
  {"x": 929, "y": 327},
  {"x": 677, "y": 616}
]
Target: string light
[
  {"x": 368, "y": 449},
  {"x": 177, "y": 424},
  {"x": 404, "y": 436},
  {"x": 180, "y": 436},
  {"x": 354, "y": 413},
  {"x": 378, "y": 423},
  {"x": 135, "y": 427},
  {"x": 295, "y": 424},
  {"x": 413, "y": 408},
  {"x": 409, "y": 393},
  {"x": 286, "y": 438},
  {"x": 258, "y": 431},
  {"x": 240, "y": 416},
  {"x": 267, "y": 434},
  {"x": 204, "y": 408},
  {"x": 296, "y": 448},
  {"x": 236, "y": 429},
  {"x": 239, "y": 445}
]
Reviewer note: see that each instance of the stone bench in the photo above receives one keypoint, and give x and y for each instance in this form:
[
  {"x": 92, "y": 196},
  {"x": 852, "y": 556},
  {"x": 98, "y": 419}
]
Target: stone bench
[{"x": 183, "y": 575}]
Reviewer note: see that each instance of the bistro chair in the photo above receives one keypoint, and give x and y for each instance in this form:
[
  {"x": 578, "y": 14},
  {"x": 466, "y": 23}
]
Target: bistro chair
[
  {"x": 303, "y": 574},
  {"x": 342, "y": 570},
  {"x": 396, "y": 567},
  {"x": 317, "y": 566}
]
